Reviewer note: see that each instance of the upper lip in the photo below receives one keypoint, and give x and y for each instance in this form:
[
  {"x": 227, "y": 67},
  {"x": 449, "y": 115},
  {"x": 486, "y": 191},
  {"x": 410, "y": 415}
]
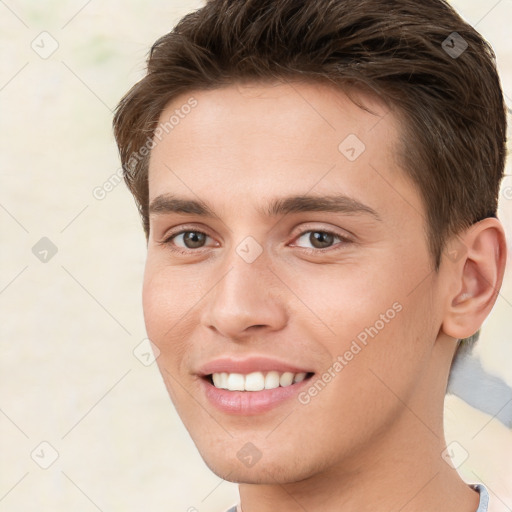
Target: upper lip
[{"x": 248, "y": 365}]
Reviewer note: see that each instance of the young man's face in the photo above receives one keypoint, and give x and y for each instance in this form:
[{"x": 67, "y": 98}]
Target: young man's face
[{"x": 345, "y": 295}]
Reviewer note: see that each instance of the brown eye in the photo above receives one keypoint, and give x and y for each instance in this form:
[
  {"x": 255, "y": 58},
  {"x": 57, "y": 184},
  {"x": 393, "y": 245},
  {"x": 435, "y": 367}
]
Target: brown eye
[
  {"x": 193, "y": 239},
  {"x": 184, "y": 240},
  {"x": 321, "y": 239}
]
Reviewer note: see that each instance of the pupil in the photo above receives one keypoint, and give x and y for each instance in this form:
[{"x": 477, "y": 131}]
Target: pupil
[
  {"x": 193, "y": 239},
  {"x": 319, "y": 236}
]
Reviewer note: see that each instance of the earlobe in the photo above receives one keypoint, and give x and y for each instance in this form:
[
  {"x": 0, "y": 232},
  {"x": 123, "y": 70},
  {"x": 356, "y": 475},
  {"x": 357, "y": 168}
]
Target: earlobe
[{"x": 478, "y": 276}]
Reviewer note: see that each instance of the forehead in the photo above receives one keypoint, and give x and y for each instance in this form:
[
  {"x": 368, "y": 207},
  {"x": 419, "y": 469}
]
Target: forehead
[
  {"x": 289, "y": 110},
  {"x": 261, "y": 139}
]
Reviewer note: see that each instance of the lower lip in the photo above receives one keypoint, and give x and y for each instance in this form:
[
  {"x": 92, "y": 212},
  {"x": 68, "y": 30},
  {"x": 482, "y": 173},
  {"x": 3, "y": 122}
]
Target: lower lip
[{"x": 250, "y": 402}]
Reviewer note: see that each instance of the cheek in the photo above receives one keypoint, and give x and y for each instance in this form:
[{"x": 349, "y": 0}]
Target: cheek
[
  {"x": 397, "y": 349},
  {"x": 344, "y": 302},
  {"x": 155, "y": 305},
  {"x": 168, "y": 291},
  {"x": 377, "y": 320},
  {"x": 167, "y": 310},
  {"x": 168, "y": 306}
]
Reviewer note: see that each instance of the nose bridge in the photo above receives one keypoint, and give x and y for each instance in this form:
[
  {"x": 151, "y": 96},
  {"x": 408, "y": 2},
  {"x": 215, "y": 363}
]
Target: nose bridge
[
  {"x": 246, "y": 278},
  {"x": 246, "y": 293}
]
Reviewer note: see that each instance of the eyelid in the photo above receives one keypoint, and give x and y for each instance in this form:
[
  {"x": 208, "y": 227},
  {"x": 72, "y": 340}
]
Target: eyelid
[
  {"x": 181, "y": 229},
  {"x": 344, "y": 240},
  {"x": 314, "y": 226},
  {"x": 348, "y": 238}
]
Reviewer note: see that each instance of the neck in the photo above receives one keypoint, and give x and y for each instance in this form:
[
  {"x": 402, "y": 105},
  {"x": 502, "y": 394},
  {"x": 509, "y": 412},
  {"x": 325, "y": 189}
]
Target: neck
[
  {"x": 406, "y": 476},
  {"x": 402, "y": 469}
]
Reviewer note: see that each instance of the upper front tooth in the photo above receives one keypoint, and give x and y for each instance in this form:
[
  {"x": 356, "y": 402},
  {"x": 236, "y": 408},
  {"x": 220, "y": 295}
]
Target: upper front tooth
[
  {"x": 254, "y": 381},
  {"x": 236, "y": 382}
]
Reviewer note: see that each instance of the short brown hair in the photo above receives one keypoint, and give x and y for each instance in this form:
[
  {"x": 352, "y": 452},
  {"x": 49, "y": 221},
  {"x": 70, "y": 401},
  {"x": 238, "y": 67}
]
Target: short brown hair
[{"x": 421, "y": 58}]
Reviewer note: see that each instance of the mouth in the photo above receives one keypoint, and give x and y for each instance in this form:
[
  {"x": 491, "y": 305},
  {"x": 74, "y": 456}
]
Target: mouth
[
  {"x": 251, "y": 385},
  {"x": 254, "y": 392},
  {"x": 256, "y": 381}
]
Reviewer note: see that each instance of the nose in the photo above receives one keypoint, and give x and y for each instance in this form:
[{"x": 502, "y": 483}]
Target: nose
[{"x": 247, "y": 299}]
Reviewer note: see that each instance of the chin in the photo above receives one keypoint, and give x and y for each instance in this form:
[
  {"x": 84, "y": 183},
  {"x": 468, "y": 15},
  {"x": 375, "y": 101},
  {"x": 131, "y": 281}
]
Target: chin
[
  {"x": 276, "y": 468},
  {"x": 265, "y": 474}
]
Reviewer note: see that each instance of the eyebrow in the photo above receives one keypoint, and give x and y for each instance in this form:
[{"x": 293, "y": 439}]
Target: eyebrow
[{"x": 168, "y": 203}]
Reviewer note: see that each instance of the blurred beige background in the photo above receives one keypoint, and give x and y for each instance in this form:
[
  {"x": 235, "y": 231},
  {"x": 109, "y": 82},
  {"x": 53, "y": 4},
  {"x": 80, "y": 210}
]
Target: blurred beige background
[{"x": 73, "y": 375}]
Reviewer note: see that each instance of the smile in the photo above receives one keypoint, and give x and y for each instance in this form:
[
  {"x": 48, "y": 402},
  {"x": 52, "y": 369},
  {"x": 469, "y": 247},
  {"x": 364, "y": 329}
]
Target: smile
[{"x": 255, "y": 381}]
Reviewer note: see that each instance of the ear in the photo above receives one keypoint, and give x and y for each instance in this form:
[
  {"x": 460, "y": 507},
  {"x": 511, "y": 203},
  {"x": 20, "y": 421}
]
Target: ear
[{"x": 476, "y": 261}]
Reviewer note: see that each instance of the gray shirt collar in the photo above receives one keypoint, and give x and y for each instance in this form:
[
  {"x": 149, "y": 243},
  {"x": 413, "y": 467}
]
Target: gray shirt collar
[{"x": 483, "y": 504}]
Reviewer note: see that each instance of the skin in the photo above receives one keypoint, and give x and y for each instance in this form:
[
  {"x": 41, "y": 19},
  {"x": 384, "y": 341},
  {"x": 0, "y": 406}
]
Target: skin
[{"x": 372, "y": 438}]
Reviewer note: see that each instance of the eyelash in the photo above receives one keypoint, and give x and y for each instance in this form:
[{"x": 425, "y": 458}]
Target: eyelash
[{"x": 168, "y": 241}]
